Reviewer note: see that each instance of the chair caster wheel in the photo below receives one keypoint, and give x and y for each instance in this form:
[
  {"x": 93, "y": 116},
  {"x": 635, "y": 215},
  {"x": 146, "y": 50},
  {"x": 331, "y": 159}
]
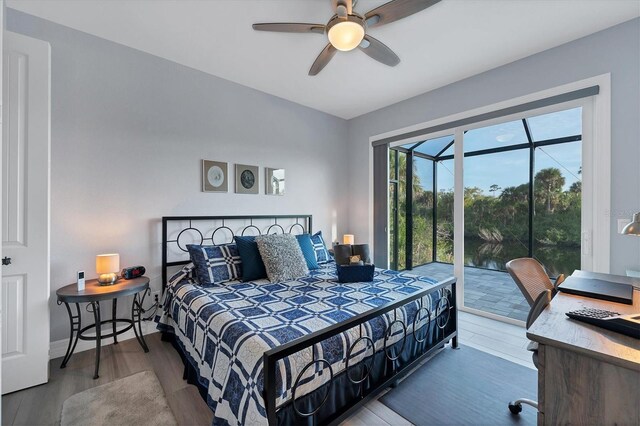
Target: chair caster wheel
[{"x": 515, "y": 408}]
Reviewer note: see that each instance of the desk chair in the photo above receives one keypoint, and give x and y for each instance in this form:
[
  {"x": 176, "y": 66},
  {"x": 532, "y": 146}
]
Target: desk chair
[
  {"x": 537, "y": 288},
  {"x": 531, "y": 278}
]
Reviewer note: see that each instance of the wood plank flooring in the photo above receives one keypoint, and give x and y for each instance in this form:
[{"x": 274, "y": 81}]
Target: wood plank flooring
[
  {"x": 41, "y": 405},
  {"x": 495, "y": 337}
]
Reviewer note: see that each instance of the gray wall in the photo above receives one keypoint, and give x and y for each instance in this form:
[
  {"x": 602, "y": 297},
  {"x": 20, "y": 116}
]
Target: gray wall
[
  {"x": 615, "y": 50},
  {"x": 128, "y": 131}
]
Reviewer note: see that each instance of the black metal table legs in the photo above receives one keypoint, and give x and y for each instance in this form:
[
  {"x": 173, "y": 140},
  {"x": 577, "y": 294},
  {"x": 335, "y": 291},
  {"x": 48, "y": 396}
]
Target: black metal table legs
[
  {"x": 96, "y": 315},
  {"x": 136, "y": 316},
  {"x": 77, "y": 331},
  {"x": 113, "y": 315},
  {"x": 75, "y": 324}
]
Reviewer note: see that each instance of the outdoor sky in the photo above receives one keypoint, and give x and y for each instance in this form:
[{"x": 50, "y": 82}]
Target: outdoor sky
[{"x": 511, "y": 168}]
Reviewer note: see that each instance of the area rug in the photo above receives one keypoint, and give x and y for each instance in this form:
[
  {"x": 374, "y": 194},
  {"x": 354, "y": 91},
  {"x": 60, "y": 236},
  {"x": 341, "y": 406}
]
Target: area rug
[
  {"x": 134, "y": 400},
  {"x": 465, "y": 386}
]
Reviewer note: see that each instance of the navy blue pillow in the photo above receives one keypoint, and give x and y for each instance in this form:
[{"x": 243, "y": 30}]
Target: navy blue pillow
[
  {"x": 252, "y": 264},
  {"x": 215, "y": 264},
  {"x": 322, "y": 254},
  {"x": 309, "y": 253}
]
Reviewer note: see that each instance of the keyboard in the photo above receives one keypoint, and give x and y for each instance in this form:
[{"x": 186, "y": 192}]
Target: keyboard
[{"x": 625, "y": 324}]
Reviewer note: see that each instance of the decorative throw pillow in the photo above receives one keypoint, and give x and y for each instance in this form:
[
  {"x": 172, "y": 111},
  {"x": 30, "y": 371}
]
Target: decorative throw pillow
[
  {"x": 187, "y": 271},
  {"x": 282, "y": 257},
  {"x": 322, "y": 254},
  {"x": 308, "y": 251},
  {"x": 216, "y": 264},
  {"x": 252, "y": 265}
]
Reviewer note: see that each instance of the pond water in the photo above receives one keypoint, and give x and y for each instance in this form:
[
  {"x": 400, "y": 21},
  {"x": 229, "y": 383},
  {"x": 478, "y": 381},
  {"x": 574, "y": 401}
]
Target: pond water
[{"x": 557, "y": 260}]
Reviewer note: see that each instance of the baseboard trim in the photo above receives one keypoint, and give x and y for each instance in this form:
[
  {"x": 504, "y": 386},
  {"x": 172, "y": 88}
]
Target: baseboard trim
[{"x": 58, "y": 348}]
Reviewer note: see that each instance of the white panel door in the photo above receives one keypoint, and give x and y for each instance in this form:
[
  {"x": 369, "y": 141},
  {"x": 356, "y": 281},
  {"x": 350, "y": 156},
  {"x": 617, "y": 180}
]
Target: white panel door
[{"x": 25, "y": 212}]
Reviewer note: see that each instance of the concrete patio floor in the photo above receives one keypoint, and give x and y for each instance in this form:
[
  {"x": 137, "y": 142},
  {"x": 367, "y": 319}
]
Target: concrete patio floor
[{"x": 484, "y": 289}]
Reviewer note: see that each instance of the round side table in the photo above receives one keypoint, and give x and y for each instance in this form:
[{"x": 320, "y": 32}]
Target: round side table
[{"x": 93, "y": 294}]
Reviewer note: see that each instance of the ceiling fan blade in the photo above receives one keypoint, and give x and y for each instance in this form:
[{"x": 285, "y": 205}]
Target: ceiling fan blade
[
  {"x": 394, "y": 10},
  {"x": 290, "y": 27},
  {"x": 323, "y": 59},
  {"x": 379, "y": 51},
  {"x": 347, "y": 4}
]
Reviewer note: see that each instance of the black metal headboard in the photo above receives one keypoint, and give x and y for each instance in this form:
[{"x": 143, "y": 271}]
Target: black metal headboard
[{"x": 206, "y": 227}]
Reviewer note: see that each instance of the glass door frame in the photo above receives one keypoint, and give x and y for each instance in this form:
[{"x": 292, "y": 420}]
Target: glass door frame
[
  {"x": 398, "y": 146},
  {"x": 586, "y": 261},
  {"x": 412, "y": 155},
  {"x": 596, "y": 173}
]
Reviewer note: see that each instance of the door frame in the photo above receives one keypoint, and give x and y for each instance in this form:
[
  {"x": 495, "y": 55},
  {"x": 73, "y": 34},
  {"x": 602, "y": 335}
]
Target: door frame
[
  {"x": 1, "y": 136},
  {"x": 587, "y": 260},
  {"x": 596, "y": 123}
]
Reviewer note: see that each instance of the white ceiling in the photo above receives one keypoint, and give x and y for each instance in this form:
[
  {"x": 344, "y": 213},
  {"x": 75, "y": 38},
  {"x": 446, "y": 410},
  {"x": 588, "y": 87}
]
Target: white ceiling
[{"x": 450, "y": 41}]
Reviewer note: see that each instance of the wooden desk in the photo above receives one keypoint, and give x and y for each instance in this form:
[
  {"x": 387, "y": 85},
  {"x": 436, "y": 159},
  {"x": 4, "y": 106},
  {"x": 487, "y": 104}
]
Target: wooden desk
[{"x": 586, "y": 375}]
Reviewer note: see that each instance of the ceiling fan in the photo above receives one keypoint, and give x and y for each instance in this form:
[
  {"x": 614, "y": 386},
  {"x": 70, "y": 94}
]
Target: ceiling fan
[{"x": 346, "y": 29}]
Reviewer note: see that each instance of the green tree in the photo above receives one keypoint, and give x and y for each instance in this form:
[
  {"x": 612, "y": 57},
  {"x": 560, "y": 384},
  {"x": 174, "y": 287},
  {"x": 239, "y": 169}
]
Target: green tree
[
  {"x": 556, "y": 227},
  {"x": 472, "y": 193},
  {"x": 444, "y": 226},
  {"x": 549, "y": 182},
  {"x": 515, "y": 194},
  {"x": 423, "y": 228},
  {"x": 576, "y": 187}
]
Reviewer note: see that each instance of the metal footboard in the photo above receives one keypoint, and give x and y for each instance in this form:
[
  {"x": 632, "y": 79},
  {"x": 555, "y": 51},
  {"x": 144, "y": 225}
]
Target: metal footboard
[{"x": 445, "y": 324}]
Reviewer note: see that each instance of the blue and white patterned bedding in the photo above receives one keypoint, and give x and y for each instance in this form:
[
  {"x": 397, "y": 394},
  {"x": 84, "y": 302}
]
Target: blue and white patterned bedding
[{"x": 225, "y": 330}]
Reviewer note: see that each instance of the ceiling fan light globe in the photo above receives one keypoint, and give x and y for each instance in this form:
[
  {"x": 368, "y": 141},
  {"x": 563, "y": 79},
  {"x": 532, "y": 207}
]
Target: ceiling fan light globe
[{"x": 346, "y": 35}]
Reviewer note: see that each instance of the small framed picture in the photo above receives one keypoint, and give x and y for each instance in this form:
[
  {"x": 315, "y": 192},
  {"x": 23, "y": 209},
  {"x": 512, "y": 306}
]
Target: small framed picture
[
  {"x": 274, "y": 181},
  {"x": 215, "y": 176},
  {"x": 247, "y": 179}
]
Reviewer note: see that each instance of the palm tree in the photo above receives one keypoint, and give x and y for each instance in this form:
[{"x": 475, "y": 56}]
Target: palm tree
[
  {"x": 515, "y": 194},
  {"x": 576, "y": 187},
  {"x": 550, "y": 182}
]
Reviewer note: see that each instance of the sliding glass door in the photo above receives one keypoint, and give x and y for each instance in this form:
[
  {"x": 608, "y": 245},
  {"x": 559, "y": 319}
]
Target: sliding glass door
[{"x": 522, "y": 198}]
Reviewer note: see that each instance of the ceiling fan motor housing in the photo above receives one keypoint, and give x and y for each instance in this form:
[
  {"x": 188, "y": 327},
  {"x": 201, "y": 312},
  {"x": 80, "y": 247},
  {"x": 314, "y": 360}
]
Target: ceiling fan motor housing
[{"x": 354, "y": 17}]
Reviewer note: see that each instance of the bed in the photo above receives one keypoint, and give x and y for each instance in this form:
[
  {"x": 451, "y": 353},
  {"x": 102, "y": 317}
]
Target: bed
[{"x": 304, "y": 351}]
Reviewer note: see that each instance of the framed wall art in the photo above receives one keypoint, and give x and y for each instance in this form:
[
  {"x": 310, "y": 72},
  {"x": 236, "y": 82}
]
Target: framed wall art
[
  {"x": 215, "y": 176},
  {"x": 274, "y": 181},
  {"x": 247, "y": 179}
]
